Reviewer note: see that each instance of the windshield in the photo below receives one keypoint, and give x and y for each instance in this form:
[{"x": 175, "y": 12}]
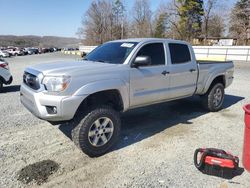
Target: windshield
[{"x": 112, "y": 52}]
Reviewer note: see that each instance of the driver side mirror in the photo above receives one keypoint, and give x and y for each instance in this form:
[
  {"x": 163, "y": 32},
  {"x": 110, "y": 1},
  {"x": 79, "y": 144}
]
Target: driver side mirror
[{"x": 141, "y": 61}]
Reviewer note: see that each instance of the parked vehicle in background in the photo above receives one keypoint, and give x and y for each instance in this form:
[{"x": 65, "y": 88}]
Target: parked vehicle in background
[
  {"x": 15, "y": 51},
  {"x": 56, "y": 49},
  {"x": 4, "y": 54},
  {"x": 32, "y": 51},
  {"x": 53, "y": 49},
  {"x": 43, "y": 50},
  {"x": 118, "y": 76},
  {"x": 5, "y": 75},
  {"x": 24, "y": 51}
]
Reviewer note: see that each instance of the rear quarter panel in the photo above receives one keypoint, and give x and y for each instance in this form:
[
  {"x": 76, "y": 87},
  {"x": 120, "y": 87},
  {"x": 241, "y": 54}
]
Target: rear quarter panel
[{"x": 208, "y": 71}]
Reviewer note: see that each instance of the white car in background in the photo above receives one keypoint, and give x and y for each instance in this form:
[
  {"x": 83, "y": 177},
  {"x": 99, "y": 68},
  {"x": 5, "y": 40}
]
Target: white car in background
[
  {"x": 5, "y": 75},
  {"x": 15, "y": 51},
  {"x": 4, "y": 54}
]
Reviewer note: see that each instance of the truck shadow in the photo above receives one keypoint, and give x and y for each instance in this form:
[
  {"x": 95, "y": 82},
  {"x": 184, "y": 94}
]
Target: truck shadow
[
  {"x": 9, "y": 89},
  {"x": 142, "y": 123}
]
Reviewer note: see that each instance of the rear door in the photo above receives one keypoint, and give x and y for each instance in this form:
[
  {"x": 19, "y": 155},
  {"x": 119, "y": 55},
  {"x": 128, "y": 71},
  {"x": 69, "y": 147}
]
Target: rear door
[
  {"x": 149, "y": 84},
  {"x": 183, "y": 71}
]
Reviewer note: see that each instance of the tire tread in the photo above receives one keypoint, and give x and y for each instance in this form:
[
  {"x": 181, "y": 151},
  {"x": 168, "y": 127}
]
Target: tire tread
[{"x": 82, "y": 127}]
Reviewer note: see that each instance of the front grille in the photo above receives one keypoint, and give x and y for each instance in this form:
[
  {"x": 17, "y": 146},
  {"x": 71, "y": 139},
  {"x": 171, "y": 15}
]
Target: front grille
[{"x": 31, "y": 80}]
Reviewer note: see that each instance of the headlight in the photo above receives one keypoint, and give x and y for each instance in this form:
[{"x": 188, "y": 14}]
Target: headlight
[{"x": 56, "y": 83}]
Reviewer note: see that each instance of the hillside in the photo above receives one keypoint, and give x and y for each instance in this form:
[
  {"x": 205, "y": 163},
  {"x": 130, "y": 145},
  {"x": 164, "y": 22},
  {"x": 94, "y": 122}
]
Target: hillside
[{"x": 38, "y": 41}]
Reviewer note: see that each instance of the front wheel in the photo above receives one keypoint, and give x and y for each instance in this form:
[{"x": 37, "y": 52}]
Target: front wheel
[
  {"x": 214, "y": 98},
  {"x": 98, "y": 131}
]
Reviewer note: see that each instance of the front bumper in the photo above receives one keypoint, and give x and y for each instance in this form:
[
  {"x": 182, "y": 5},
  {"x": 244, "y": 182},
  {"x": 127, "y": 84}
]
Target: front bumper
[{"x": 36, "y": 103}]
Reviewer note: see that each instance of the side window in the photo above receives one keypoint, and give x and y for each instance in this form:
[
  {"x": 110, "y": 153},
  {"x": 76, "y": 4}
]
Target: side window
[
  {"x": 179, "y": 53},
  {"x": 155, "y": 51}
]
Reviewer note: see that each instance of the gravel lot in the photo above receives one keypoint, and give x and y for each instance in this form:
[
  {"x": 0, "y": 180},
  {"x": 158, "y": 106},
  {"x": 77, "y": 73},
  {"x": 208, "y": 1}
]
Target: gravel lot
[{"x": 156, "y": 148}]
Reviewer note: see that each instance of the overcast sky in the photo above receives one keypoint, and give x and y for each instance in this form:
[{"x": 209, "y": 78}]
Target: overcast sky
[{"x": 49, "y": 17}]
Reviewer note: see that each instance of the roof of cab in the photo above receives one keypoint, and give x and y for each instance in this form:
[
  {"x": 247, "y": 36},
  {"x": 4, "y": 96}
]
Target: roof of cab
[{"x": 147, "y": 40}]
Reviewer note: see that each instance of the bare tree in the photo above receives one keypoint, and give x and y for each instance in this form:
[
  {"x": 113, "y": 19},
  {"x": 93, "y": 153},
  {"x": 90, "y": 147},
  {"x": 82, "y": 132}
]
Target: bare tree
[
  {"x": 240, "y": 21},
  {"x": 216, "y": 26},
  {"x": 141, "y": 24},
  {"x": 161, "y": 25},
  {"x": 208, "y": 7},
  {"x": 103, "y": 21},
  {"x": 96, "y": 22},
  {"x": 180, "y": 19},
  {"x": 119, "y": 19},
  {"x": 174, "y": 17}
]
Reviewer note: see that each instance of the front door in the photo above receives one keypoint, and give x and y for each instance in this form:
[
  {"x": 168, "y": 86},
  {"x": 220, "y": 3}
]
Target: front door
[{"x": 149, "y": 84}]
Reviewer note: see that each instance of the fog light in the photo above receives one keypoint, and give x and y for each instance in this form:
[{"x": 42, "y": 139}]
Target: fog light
[{"x": 51, "y": 109}]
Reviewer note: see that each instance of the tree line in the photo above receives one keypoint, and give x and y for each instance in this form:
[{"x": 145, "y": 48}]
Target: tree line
[
  {"x": 107, "y": 20},
  {"x": 38, "y": 41}
]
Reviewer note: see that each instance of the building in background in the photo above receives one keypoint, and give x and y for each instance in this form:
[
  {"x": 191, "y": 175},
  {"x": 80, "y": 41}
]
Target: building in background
[{"x": 215, "y": 41}]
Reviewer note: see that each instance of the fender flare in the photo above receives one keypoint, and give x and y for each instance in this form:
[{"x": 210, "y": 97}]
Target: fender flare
[
  {"x": 210, "y": 80},
  {"x": 103, "y": 85}
]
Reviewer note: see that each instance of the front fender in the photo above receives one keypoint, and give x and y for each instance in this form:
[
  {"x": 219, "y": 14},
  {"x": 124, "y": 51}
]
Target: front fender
[{"x": 103, "y": 85}]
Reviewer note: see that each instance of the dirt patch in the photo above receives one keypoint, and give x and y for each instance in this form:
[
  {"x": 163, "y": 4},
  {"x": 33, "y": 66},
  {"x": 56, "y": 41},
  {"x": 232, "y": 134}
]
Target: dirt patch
[
  {"x": 37, "y": 172},
  {"x": 229, "y": 115}
]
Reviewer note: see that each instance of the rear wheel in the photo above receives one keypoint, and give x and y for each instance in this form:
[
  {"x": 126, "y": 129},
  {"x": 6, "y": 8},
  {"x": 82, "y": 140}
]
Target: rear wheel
[
  {"x": 98, "y": 131},
  {"x": 214, "y": 98}
]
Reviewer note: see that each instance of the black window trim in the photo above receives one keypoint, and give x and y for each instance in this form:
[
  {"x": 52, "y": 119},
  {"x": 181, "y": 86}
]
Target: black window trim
[
  {"x": 186, "y": 62},
  {"x": 144, "y": 44}
]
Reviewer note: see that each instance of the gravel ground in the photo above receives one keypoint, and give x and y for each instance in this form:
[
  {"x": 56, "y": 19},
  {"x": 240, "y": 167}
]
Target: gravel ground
[{"x": 156, "y": 148}]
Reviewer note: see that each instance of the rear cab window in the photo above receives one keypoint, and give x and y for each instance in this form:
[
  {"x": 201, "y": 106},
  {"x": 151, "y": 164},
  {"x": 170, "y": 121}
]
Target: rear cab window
[{"x": 179, "y": 53}]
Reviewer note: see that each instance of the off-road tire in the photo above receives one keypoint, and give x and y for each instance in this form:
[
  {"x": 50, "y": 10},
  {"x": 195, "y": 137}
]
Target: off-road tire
[
  {"x": 84, "y": 121},
  {"x": 209, "y": 97}
]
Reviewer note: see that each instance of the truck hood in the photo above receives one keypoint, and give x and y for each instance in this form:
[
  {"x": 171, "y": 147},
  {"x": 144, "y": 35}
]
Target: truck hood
[{"x": 72, "y": 68}]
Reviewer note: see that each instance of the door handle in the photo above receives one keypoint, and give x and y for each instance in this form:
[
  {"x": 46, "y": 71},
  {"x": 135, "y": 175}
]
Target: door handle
[
  {"x": 192, "y": 70},
  {"x": 165, "y": 72}
]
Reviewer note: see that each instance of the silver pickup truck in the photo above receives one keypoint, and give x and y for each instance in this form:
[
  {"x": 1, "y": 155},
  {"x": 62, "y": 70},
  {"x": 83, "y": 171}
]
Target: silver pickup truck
[{"x": 118, "y": 76}]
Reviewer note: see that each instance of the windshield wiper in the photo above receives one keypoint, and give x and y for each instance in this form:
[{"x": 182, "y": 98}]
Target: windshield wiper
[{"x": 102, "y": 61}]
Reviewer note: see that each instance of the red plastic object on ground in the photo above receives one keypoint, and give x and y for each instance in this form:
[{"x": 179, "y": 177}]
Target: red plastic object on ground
[
  {"x": 246, "y": 146},
  {"x": 216, "y": 162}
]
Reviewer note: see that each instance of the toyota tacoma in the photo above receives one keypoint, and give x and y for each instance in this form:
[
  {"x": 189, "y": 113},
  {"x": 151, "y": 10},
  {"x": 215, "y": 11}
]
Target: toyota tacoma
[{"x": 118, "y": 76}]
